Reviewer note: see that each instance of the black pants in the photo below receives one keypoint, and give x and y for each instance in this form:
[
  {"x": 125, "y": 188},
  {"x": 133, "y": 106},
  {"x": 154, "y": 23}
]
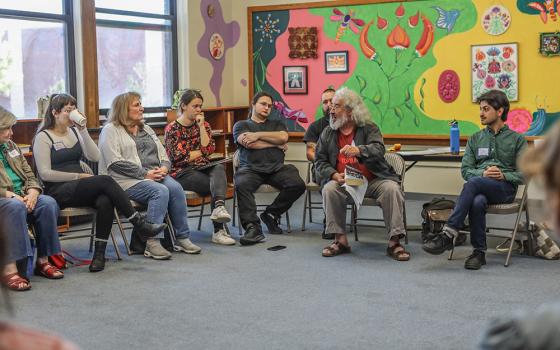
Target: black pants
[
  {"x": 210, "y": 181},
  {"x": 103, "y": 194},
  {"x": 287, "y": 180}
]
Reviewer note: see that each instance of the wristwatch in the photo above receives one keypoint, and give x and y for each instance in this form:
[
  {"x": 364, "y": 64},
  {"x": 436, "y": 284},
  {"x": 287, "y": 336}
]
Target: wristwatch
[{"x": 13, "y": 195}]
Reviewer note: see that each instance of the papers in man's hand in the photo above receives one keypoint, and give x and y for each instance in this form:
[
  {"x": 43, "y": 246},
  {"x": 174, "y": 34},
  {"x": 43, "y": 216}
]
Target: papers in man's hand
[
  {"x": 356, "y": 185},
  {"x": 353, "y": 176}
]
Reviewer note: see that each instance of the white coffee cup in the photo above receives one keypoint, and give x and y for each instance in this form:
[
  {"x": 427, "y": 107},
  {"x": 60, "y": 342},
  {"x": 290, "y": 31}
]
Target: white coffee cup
[{"x": 77, "y": 118}]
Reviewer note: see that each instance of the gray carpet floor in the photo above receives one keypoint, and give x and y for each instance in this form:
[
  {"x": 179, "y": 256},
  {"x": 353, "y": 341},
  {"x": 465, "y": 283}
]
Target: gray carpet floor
[{"x": 251, "y": 298}]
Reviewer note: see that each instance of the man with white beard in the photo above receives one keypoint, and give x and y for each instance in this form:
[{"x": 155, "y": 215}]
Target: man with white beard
[{"x": 353, "y": 139}]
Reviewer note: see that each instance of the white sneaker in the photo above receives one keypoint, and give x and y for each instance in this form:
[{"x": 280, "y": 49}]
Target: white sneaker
[
  {"x": 155, "y": 250},
  {"x": 222, "y": 237},
  {"x": 220, "y": 214},
  {"x": 185, "y": 245}
]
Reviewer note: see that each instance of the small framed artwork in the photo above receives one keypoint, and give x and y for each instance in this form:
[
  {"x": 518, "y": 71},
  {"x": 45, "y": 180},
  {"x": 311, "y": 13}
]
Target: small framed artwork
[
  {"x": 550, "y": 44},
  {"x": 336, "y": 61},
  {"x": 495, "y": 67},
  {"x": 295, "y": 80}
]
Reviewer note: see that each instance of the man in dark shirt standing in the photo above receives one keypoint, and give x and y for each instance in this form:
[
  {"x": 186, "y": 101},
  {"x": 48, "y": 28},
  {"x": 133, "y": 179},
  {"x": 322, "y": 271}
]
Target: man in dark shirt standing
[
  {"x": 261, "y": 145},
  {"x": 312, "y": 135}
]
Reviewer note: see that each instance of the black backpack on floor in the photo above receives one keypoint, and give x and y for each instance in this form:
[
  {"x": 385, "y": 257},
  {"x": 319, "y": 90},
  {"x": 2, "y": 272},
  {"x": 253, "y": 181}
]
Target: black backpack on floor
[{"x": 435, "y": 214}]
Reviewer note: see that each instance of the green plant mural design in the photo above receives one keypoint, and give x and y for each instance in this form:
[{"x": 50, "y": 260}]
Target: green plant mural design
[{"x": 395, "y": 49}]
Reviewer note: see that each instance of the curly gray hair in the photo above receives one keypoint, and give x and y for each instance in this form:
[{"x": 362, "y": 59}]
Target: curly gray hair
[{"x": 353, "y": 101}]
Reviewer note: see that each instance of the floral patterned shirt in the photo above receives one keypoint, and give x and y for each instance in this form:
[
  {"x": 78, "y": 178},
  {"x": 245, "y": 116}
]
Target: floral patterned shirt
[{"x": 180, "y": 140}]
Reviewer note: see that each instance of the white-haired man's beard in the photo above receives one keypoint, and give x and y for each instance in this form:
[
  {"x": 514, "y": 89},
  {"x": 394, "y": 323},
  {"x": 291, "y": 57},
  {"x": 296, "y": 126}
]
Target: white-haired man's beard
[{"x": 339, "y": 122}]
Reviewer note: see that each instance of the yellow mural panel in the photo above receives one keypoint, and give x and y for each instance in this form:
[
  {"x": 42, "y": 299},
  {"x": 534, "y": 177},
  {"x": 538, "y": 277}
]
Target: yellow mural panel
[{"x": 539, "y": 76}]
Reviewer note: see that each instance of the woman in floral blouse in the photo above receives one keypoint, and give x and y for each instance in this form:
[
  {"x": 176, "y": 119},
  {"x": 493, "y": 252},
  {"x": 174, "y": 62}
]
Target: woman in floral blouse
[{"x": 189, "y": 143}]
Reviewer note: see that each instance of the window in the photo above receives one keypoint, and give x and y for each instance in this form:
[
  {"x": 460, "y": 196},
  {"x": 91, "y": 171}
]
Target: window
[
  {"x": 36, "y": 53},
  {"x": 137, "y": 51}
]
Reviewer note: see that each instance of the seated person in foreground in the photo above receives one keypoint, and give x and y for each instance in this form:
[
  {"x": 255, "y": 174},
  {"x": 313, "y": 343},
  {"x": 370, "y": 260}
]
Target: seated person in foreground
[
  {"x": 353, "y": 139},
  {"x": 536, "y": 329},
  {"x": 132, "y": 154},
  {"x": 261, "y": 145},
  {"x": 21, "y": 201},
  {"x": 489, "y": 166},
  {"x": 14, "y": 336},
  {"x": 58, "y": 148},
  {"x": 189, "y": 143},
  {"x": 312, "y": 136}
]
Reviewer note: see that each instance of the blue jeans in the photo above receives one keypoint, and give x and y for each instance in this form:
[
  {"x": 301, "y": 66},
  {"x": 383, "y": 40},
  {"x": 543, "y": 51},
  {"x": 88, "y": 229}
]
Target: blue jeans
[
  {"x": 162, "y": 197},
  {"x": 43, "y": 217},
  {"x": 477, "y": 193}
]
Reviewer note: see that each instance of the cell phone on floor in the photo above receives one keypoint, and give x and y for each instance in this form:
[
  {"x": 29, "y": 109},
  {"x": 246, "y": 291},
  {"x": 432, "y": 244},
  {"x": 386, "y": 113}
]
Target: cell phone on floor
[{"x": 276, "y": 247}]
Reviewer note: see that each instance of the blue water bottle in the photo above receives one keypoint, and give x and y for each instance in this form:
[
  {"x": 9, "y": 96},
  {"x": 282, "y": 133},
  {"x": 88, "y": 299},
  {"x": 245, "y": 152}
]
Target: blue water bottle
[{"x": 454, "y": 137}]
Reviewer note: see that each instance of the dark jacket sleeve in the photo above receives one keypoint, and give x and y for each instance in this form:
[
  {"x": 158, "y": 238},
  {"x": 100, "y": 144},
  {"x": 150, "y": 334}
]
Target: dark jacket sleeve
[
  {"x": 372, "y": 154},
  {"x": 373, "y": 147},
  {"x": 323, "y": 167}
]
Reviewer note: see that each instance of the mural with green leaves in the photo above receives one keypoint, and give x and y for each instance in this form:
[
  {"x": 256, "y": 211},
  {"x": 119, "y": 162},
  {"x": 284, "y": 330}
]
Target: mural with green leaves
[{"x": 395, "y": 48}]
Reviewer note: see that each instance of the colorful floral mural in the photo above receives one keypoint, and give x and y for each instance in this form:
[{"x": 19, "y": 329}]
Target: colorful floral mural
[{"x": 397, "y": 54}]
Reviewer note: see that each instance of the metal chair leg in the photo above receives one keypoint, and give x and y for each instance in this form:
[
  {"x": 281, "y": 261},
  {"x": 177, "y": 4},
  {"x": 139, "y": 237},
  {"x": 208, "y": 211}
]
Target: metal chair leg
[
  {"x": 94, "y": 218},
  {"x": 354, "y": 221},
  {"x": 117, "y": 251},
  {"x": 288, "y": 222},
  {"x": 234, "y": 204},
  {"x": 172, "y": 235},
  {"x": 201, "y": 213},
  {"x": 529, "y": 233},
  {"x": 121, "y": 229},
  {"x": 310, "y": 204},
  {"x": 307, "y": 194}
]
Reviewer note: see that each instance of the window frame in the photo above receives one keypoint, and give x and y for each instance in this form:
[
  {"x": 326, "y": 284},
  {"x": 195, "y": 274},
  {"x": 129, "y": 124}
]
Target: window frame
[
  {"x": 67, "y": 18},
  {"x": 172, "y": 17}
]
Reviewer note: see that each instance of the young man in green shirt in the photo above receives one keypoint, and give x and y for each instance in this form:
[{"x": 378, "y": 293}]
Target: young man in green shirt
[{"x": 490, "y": 168}]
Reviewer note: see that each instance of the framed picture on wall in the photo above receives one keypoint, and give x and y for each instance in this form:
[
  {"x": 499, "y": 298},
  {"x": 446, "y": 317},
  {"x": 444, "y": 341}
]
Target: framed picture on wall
[
  {"x": 295, "y": 80},
  {"x": 495, "y": 67},
  {"x": 550, "y": 44},
  {"x": 336, "y": 61}
]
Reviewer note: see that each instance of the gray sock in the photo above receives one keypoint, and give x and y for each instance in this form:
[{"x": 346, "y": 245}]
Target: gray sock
[{"x": 450, "y": 231}]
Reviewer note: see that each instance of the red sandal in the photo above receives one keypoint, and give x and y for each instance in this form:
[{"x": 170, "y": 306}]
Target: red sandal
[
  {"x": 14, "y": 282},
  {"x": 48, "y": 271}
]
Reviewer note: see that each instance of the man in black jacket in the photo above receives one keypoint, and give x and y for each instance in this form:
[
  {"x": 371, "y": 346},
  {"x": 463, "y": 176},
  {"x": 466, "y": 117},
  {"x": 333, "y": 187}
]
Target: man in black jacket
[{"x": 352, "y": 139}]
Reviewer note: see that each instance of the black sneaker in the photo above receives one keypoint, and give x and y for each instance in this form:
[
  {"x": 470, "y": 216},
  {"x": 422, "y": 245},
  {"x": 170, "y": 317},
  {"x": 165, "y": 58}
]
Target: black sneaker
[
  {"x": 475, "y": 260},
  {"x": 271, "y": 223},
  {"x": 252, "y": 235},
  {"x": 438, "y": 245}
]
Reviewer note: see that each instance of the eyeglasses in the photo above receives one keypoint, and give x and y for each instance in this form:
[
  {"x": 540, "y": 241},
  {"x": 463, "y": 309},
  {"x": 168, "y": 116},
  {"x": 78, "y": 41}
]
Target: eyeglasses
[
  {"x": 264, "y": 104},
  {"x": 336, "y": 106}
]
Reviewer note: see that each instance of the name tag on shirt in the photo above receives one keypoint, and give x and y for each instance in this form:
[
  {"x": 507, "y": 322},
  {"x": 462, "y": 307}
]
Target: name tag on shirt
[
  {"x": 58, "y": 146},
  {"x": 483, "y": 152},
  {"x": 14, "y": 153}
]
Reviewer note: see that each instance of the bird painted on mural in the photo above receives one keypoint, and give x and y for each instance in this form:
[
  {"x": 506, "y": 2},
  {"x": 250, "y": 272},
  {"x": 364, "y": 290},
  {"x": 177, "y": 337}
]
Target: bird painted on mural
[
  {"x": 446, "y": 18},
  {"x": 544, "y": 7}
]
